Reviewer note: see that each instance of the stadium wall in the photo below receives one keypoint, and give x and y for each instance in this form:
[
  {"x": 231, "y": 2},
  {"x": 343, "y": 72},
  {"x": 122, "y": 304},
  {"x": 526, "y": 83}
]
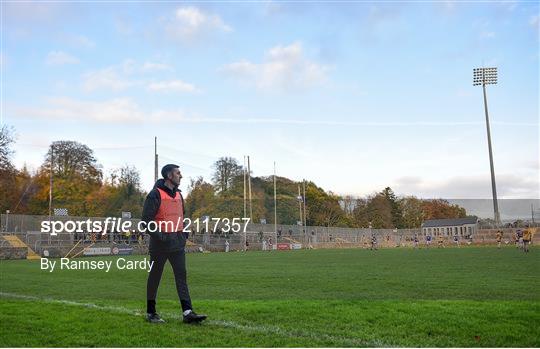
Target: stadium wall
[{"x": 27, "y": 227}]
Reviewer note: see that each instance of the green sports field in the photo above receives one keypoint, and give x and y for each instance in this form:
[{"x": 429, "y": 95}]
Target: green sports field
[{"x": 464, "y": 297}]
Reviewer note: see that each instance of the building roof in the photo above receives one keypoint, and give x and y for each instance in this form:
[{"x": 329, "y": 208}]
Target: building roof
[{"x": 449, "y": 222}]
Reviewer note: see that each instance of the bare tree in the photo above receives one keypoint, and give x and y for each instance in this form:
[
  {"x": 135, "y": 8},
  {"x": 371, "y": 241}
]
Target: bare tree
[{"x": 332, "y": 213}]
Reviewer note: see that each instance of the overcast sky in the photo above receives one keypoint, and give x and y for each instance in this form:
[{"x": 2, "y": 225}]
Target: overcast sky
[{"x": 354, "y": 96}]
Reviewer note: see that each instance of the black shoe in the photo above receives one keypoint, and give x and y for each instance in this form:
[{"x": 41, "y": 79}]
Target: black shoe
[
  {"x": 154, "y": 318},
  {"x": 194, "y": 318}
]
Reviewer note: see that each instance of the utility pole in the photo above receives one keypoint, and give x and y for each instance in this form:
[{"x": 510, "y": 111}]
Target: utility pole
[
  {"x": 488, "y": 76},
  {"x": 245, "y": 202},
  {"x": 155, "y": 160},
  {"x": 249, "y": 185},
  {"x": 275, "y": 200},
  {"x": 304, "y": 199},
  {"x": 300, "y": 205},
  {"x": 51, "y": 181}
]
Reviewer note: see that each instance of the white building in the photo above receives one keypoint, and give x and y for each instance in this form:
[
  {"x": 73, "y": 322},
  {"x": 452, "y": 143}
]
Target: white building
[{"x": 449, "y": 227}]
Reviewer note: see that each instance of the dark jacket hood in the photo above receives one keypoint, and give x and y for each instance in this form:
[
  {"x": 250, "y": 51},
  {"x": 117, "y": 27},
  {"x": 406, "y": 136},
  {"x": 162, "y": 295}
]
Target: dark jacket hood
[{"x": 161, "y": 185}]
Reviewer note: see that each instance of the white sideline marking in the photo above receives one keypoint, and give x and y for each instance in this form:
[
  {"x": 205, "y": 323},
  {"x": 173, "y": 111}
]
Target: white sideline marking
[{"x": 222, "y": 323}]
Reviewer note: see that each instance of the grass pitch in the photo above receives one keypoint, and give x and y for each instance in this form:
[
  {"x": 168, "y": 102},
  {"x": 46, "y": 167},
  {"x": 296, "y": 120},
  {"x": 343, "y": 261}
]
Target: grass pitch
[{"x": 466, "y": 297}]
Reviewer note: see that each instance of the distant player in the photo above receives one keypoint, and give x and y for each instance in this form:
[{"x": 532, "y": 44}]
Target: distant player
[
  {"x": 527, "y": 238},
  {"x": 226, "y": 245},
  {"x": 373, "y": 242},
  {"x": 415, "y": 241},
  {"x": 499, "y": 237},
  {"x": 264, "y": 245},
  {"x": 428, "y": 240},
  {"x": 520, "y": 238},
  {"x": 456, "y": 240},
  {"x": 440, "y": 242}
]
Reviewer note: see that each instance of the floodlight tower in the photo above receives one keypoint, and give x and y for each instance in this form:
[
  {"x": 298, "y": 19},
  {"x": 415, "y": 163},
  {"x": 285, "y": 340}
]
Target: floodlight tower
[{"x": 488, "y": 76}]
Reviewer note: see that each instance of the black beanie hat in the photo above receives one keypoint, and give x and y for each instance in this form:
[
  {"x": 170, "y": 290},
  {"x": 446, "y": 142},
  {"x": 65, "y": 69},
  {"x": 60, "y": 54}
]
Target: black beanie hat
[{"x": 167, "y": 168}]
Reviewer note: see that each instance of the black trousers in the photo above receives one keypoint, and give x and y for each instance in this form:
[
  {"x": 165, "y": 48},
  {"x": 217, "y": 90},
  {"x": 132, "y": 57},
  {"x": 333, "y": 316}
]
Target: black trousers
[{"x": 178, "y": 263}]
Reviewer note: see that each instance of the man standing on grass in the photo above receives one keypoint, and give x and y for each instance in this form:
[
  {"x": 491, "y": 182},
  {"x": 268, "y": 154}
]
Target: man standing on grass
[
  {"x": 164, "y": 205},
  {"x": 499, "y": 238},
  {"x": 527, "y": 238},
  {"x": 428, "y": 240},
  {"x": 519, "y": 238},
  {"x": 440, "y": 242},
  {"x": 456, "y": 239},
  {"x": 373, "y": 242}
]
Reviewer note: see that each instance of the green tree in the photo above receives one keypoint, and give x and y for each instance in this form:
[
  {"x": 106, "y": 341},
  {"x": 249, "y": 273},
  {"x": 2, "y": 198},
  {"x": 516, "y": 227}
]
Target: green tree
[
  {"x": 380, "y": 212},
  {"x": 360, "y": 214},
  {"x": 8, "y": 173},
  {"x": 413, "y": 214},
  {"x": 374, "y": 210},
  {"x": 200, "y": 197},
  {"x": 76, "y": 174},
  {"x": 324, "y": 208},
  {"x": 397, "y": 214}
]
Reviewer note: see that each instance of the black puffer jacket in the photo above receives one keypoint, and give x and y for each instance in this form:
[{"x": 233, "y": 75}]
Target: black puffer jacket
[{"x": 162, "y": 242}]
